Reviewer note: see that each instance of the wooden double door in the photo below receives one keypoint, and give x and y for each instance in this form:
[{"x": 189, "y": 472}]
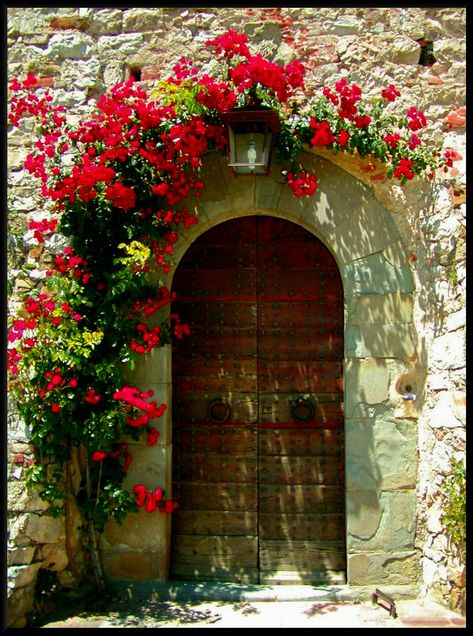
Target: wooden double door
[{"x": 258, "y": 444}]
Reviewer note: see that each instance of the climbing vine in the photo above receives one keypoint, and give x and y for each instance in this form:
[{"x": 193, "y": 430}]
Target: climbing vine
[
  {"x": 453, "y": 505},
  {"x": 114, "y": 185}
]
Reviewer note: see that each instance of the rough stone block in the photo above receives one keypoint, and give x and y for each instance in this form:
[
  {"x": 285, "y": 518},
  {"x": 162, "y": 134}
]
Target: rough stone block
[
  {"x": 153, "y": 367},
  {"x": 267, "y": 193},
  {"x": 366, "y": 381},
  {"x": 20, "y": 498},
  {"x": 44, "y": 529},
  {"x": 106, "y": 21},
  {"x": 122, "y": 45},
  {"x": 449, "y": 351},
  {"x": 150, "y": 466},
  {"x": 212, "y": 174},
  {"x": 138, "y": 565},
  {"x": 403, "y": 50},
  {"x": 20, "y": 555},
  {"x": 395, "y": 513},
  {"x": 372, "y": 309},
  {"x": 449, "y": 411},
  {"x": 143, "y": 19},
  {"x": 381, "y": 454},
  {"x": 381, "y": 568},
  {"x": 69, "y": 46},
  {"x": 22, "y": 575},
  {"x": 374, "y": 274},
  {"x": 19, "y": 604},
  {"x": 139, "y": 531},
  {"x": 379, "y": 341},
  {"x": 55, "y": 558}
]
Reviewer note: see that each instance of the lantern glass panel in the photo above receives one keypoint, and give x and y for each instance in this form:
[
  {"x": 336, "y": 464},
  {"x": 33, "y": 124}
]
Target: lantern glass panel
[{"x": 249, "y": 148}]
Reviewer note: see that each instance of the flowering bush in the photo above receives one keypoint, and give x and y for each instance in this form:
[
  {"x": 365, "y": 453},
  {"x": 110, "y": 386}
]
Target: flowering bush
[{"x": 114, "y": 184}]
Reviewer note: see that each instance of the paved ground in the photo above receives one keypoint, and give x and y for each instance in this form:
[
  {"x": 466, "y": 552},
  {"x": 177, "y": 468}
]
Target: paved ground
[{"x": 258, "y": 611}]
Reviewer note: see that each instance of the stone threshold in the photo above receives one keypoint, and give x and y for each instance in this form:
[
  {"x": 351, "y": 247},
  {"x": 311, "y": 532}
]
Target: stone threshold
[{"x": 224, "y": 591}]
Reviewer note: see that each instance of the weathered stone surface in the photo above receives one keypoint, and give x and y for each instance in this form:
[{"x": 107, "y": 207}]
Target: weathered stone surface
[
  {"x": 383, "y": 454},
  {"x": 139, "y": 531},
  {"x": 395, "y": 531},
  {"x": 374, "y": 309},
  {"x": 403, "y": 50},
  {"x": 20, "y": 555},
  {"x": 55, "y": 558},
  {"x": 150, "y": 466},
  {"x": 136, "y": 565},
  {"x": 156, "y": 365},
  {"x": 44, "y": 529},
  {"x": 379, "y": 341},
  {"x": 367, "y": 381},
  {"x": 449, "y": 351},
  {"x": 22, "y": 499},
  {"x": 379, "y": 568},
  {"x": 122, "y": 45},
  {"x": 82, "y": 74},
  {"x": 373, "y": 274},
  {"x": 142, "y": 19},
  {"x": 19, "y": 604},
  {"x": 105, "y": 22},
  {"x": 22, "y": 575},
  {"x": 449, "y": 411},
  {"x": 69, "y": 46}
]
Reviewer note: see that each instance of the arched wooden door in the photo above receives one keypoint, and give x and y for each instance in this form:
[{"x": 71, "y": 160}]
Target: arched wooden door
[{"x": 258, "y": 453}]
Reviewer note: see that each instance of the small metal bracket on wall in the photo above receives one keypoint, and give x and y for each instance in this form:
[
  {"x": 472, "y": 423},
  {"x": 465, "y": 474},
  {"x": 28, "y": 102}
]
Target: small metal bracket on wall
[{"x": 377, "y": 594}]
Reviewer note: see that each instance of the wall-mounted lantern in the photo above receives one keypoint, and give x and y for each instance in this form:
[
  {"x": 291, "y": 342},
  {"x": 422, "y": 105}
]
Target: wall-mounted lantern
[{"x": 249, "y": 138}]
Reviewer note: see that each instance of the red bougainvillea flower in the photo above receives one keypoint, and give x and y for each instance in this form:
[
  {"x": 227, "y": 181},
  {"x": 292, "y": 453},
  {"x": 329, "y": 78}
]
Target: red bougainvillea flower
[
  {"x": 230, "y": 44},
  {"x": 151, "y": 503},
  {"x": 392, "y": 139},
  {"x": 362, "y": 121},
  {"x": 127, "y": 457},
  {"x": 404, "y": 169},
  {"x": 153, "y": 436},
  {"x": 450, "y": 157},
  {"x": 169, "y": 506},
  {"x": 140, "y": 491},
  {"x": 42, "y": 227},
  {"x": 302, "y": 183},
  {"x": 323, "y": 135},
  {"x": 417, "y": 119},
  {"x": 92, "y": 397},
  {"x": 97, "y": 456},
  {"x": 121, "y": 196},
  {"x": 343, "y": 138},
  {"x": 414, "y": 141},
  {"x": 390, "y": 93}
]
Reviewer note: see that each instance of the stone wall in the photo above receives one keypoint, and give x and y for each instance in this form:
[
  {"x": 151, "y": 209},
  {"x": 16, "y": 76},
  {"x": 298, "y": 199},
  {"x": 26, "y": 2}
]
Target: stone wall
[{"x": 80, "y": 52}]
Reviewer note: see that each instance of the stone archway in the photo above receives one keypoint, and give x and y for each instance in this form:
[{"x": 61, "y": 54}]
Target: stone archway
[{"x": 380, "y": 349}]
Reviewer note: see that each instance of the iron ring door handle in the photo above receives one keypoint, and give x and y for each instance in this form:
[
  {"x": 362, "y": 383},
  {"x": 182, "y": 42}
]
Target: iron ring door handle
[
  {"x": 302, "y": 410},
  {"x": 219, "y": 411}
]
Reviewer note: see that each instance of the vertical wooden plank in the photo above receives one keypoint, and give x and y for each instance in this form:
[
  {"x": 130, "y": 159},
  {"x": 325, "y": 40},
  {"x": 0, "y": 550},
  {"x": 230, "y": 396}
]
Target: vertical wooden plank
[
  {"x": 300, "y": 354},
  {"x": 215, "y": 472}
]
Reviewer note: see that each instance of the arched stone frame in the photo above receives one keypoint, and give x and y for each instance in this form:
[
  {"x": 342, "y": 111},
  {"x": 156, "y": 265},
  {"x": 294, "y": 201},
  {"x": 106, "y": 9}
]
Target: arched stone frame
[{"x": 380, "y": 348}]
